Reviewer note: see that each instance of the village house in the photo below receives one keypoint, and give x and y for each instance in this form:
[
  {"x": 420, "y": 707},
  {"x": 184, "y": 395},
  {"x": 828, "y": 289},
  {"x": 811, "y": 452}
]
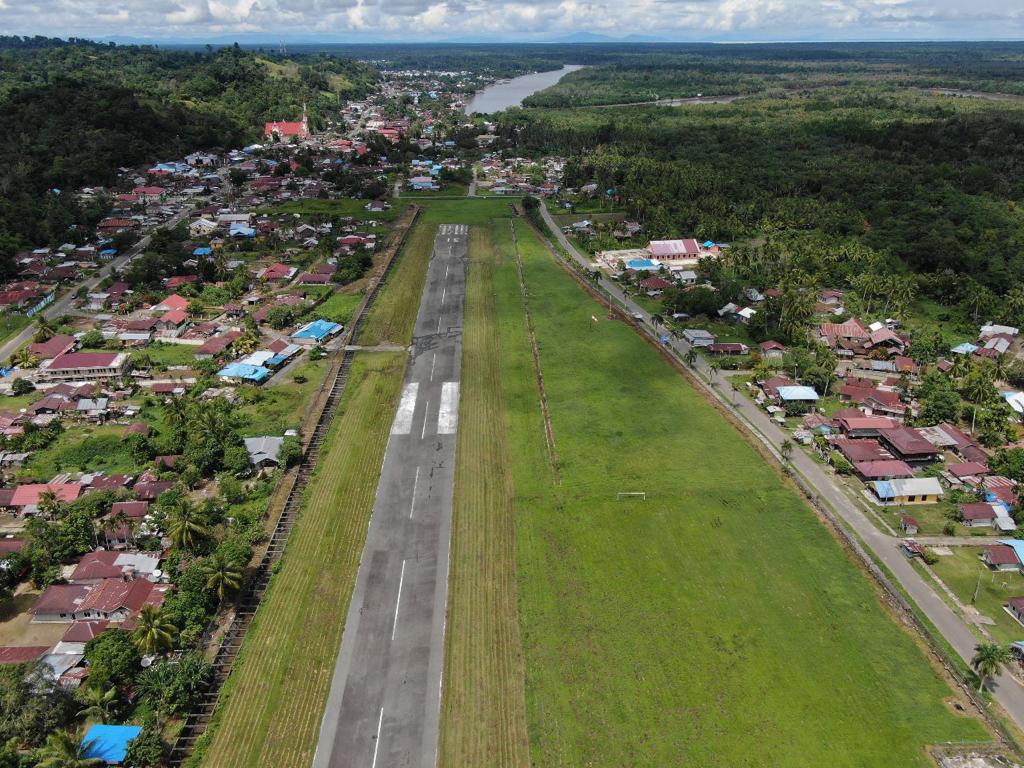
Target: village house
[
  {"x": 918, "y": 490},
  {"x": 83, "y": 366},
  {"x": 1001, "y": 557}
]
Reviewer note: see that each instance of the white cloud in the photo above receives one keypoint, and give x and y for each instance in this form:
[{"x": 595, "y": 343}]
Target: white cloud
[{"x": 439, "y": 19}]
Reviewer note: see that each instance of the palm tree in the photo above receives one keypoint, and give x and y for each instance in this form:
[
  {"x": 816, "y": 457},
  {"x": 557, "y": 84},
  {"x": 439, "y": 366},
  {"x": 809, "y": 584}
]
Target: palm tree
[
  {"x": 988, "y": 660},
  {"x": 49, "y": 503},
  {"x": 44, "y": 329},
  {"x": 221, "y": 574},
  {"x": 786, "y": 449},
  {"x": 186, "y": 525},
  {"x": 690, "y": 356},
  {"x": 100, "y": 704},
  {"x": 24, "y": 359},
  {"x": 62, "y": 750},
  {"x": 152, "y": 634}
]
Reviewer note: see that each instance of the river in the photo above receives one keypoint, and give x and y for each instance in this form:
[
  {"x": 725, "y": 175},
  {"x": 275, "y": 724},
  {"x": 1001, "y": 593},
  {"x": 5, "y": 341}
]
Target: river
[{"x": 510, "y": 93}]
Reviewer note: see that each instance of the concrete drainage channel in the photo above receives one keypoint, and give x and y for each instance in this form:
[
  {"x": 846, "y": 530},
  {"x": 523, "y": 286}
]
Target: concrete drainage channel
[{"x": 198, "y": 719}]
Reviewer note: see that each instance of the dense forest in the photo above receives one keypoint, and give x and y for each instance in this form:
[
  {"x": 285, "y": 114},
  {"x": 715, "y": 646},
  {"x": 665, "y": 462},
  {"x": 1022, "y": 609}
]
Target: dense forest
[
  {"x": 933, "y": 181},
  {"x": 683, "y": 71},
  {"x": 74, "y": 113}
]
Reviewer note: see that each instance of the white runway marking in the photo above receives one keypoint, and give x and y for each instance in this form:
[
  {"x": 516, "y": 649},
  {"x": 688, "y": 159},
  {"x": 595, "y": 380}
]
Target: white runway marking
[
  {"x": 444, "y": 292},
  {"x": 433, "y": 362},
  {"x": 426, "y": 411},
  {"x": 415, "y": 483},
  {"x": 376, "y": 743},
  {"x": 448, "y": 414},
  {"x": 398, "y": 602},
  {"x": 439, "y": 325},
  {"x": 406, "y": 407}
]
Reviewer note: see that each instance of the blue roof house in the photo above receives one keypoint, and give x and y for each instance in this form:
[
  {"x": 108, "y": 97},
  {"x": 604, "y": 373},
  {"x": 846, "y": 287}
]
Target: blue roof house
[
  {"x": 202, "y": 251},
  {"x": 251, "y": 373},
  {"x": 109, "y": 743},
  {"x": 316, "y": 331},
  {"x": 797, "y": 394}
]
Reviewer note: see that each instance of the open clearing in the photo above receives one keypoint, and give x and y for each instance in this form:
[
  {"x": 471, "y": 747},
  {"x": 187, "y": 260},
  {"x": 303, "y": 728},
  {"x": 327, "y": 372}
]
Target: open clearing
[
  {"x": 484, "y": 710},
  {"x": 717, "y": 623},
  {"x": 963, "y": 572},
  {"x": 273, "y": 701}
]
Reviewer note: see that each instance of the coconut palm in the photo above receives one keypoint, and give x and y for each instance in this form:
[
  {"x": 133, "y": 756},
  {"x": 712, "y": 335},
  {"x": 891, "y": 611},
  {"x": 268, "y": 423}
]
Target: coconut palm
[
  {"x": 62, "y": 750},
  {"x": 152, "y": 633},
  {"x": 988, "y": 660},
  {"x": 49, "y": 503},
  {"x": 186, "y": 525},
  {"x": 100, "y": 704},
  {"x": 44, "y": 329},
  {"x": 24, "y": 359},
  {"x": 786, "y": 449},
  {"x": 690, "y": 356},
  {"x": 221, "y": 574}
]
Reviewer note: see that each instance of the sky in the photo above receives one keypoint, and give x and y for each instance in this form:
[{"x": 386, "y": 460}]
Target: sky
[{"x": 509, "y": 20}]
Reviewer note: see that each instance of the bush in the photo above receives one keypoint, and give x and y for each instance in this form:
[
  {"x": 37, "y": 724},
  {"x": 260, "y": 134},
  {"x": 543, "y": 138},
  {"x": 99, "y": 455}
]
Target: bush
[
  {"x": 930, "y": 557},
  {"x": 949, "y": 529},
  {"x": 22, "y": 387}
]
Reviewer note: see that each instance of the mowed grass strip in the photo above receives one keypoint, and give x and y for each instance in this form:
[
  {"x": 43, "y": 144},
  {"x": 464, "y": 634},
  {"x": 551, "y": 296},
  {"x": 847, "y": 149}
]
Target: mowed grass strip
[
  {"x": 392, "y": 317},
  {"x": 718, "y": 623},
  {"x": 274, "y": 700},
  {"x": 484, "y": 710}
]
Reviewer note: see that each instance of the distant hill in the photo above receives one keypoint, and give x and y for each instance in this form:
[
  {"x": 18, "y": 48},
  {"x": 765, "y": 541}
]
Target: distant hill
[{"x": 593, "y": 37}]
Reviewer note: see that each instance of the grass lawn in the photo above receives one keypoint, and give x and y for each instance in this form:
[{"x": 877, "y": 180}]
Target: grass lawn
[
  {"x": 171, "y": 354},
  {"x": 83, "y": 448},
  {"x": 716, "y": 621},
  {"x": 393, "y": 315},
  {"x": 11, "y": 323},
  {"x": 283, "y": 405},
  {"x": 484, "y": 709},
  {"x": 344, "y": 207},
  {"x": 339, "y": 308},
  {"x": 273, "y": 702},
  {"x": 960, "y": 572}
]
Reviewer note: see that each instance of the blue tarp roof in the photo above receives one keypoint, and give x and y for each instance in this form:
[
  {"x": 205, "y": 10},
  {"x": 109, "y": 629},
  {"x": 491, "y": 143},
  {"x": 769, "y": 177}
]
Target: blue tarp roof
[
  {"x": 109, "y": 743},
  {"x": 709, "y": 243},
  {"x": 318, "y": 329},
  {"x": 883, "y": 489},
  {"x": 965, "y": 349},
  {"x": 240, "y": 230},
  {"x": 203, "y": 251},
  {"x": 242, "y": 371},
  {"x": 639, "y": 264},
  {"x": 276, "y": 360},
  {"x": 108, "y": 252}
]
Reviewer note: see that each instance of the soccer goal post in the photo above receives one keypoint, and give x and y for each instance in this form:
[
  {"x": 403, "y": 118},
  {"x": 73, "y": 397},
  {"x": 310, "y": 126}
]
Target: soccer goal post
[{"x": 642, "y": 495}]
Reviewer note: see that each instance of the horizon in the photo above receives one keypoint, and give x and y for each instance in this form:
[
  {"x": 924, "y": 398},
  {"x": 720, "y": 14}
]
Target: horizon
[{"x": 373, "y": 22}]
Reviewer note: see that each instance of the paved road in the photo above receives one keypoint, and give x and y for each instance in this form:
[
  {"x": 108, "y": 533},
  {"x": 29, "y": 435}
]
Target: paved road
[
  {"x": 64, "y": 302},
  {"x": 384, "y": 705},
  {"x": 1006, "y": 689}
]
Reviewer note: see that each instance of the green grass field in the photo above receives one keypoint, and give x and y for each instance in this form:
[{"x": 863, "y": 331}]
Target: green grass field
[
  {"x": 273, "y": 702},
  {"x": 339, "y": 307},
  {"x": 963, "y": 572},
  {"x": 282, "y": 405},
  {"x": 717, "y": 623},
  {"x": 484, "y": 710},
  {"x": 83, "y": 448}
]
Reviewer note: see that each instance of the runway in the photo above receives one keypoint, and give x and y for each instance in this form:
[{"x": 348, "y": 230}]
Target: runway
[{"x": 383, "y": 709}]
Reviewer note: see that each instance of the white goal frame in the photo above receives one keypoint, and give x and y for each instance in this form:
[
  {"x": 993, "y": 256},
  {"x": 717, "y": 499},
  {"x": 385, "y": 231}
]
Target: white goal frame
[{"x": 642, "y": 495}]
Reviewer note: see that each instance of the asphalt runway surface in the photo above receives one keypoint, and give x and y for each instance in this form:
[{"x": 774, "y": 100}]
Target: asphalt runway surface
[{"x": 383, "y": 710}]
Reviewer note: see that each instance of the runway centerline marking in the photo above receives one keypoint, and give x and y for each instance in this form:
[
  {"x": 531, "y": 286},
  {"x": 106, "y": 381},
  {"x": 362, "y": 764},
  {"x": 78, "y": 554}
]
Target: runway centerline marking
[
  {"x": 415, "y": 483},
  {"x": 433, "y": 362},
  {"x": 376, "y": 743},
  {"x": 426, "y": 412},
  {"x": 398, "y": 602},
  {"x": 444, "y": 291}
]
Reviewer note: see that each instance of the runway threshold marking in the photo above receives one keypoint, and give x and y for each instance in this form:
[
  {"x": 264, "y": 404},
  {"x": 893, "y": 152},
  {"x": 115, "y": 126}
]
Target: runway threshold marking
[
  {"x": 406, "y": 407},
  {"x": 398, "y": 601},
  {"x": 448, "y": 414}
]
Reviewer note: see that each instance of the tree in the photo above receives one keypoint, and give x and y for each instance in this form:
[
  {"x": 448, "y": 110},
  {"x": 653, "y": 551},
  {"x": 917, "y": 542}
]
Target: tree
[
  {"x": 988, "y": 660},
  {"x": 147, "y": 750},
  {"x": 113, "y": 659},
  {"x": 942, "y": 405},
  {"x": 93, "y": 339},
  {"x": 1009, "y": 463},
  {"x": 171, "y": 687},
  {"x": 690, "y": 356},
  {"x": 62, "y": 750},
  {"x": 786, "y": 449},
  {"x": 22, "y": 387},
  {"x": 99, "y": 704},
  {"x": 222, "y": 575},
  {"x": 152, "y": 633},
  {"x": 50, "y": 504},
  {"x": 32, "y": 703},
  {"x": 186, "y": 525}
]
